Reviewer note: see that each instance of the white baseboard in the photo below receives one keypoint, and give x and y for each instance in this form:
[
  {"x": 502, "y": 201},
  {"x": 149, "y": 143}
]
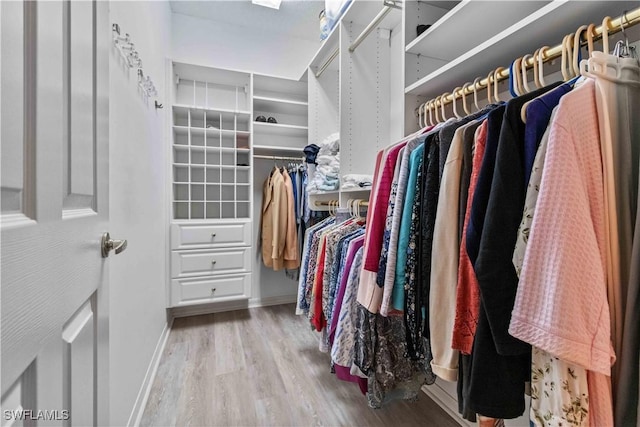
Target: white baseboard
[
  {"x": 219, "y": 307},
  {"x": 152, "y": 369},
  {"x": 276, "y": 300}
]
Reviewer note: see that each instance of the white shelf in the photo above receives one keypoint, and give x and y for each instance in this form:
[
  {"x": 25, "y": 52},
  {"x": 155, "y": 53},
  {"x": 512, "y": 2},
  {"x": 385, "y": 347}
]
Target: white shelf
[
  {"x": 184, "y": 130},
  {"x": 324, "y": 193},
  {"x": 280, "y": 105},
  {"x": 356, "y": 190},
  {"x": 268, "y": 149},
  {"x": 546, "y": 26},
  {"x": 278, "y": 129},
  {"x": 443, "y": 39},
  {"x": 181, "y": 147},
  {"x": 201, "y": 166},
  {"x": 213, "y": 110}
]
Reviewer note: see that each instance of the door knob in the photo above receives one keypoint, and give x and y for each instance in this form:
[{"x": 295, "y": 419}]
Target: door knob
[{"x": 109, "y": 244}]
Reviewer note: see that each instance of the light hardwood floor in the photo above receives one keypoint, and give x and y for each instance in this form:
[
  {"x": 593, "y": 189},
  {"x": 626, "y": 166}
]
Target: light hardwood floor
[{"x": 262, "y": 367}]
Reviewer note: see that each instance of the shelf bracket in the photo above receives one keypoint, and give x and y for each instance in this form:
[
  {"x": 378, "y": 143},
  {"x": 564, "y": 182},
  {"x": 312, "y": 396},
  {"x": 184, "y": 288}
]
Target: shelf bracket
[{"x": 395, "y": 4}]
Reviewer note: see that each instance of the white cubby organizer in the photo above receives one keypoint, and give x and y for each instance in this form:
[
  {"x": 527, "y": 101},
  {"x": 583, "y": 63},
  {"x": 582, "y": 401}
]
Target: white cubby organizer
[{"x": 211, "y": 144}]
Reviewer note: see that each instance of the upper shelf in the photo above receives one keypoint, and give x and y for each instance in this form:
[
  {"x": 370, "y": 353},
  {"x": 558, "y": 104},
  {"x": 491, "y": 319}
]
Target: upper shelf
[
  {"x": 445, "y": 39},
  {"x": 546, "y": 26},
  {"x": 279, "y": 129},
  {"x": 184, "y": 108},
  {"x": 279, "y": 105},
  {"x": 360, "y": 12}
]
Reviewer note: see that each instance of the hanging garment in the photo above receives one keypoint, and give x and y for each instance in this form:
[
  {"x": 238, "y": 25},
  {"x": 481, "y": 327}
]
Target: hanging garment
[
  {"x": 569, "y": 223},
  {"x": 405, "y": 225},
  {"x": 468, "y": 292},
  {"x": 411, "y": 293},
  {"x": 290, "y": 256},
  {"x": 387, "y": 268},
  {"x": 618, "y": 100},
  {"x": 551, "y": 404},
  {"x": 446, "y": 249},
  {"x": 497, "y": 355},
  {"x": 387, "y": 251},
  {"x": 370, "y": 294},
  {"x": 346, "y": 274},
  {"x": 626, "y": 403},
  {"x": 302, "y": 306}
]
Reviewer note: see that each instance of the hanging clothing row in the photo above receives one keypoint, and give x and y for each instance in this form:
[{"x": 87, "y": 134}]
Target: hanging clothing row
[
  {"x": 284, "y": 203},
  {"x": 500, "y": 249}
]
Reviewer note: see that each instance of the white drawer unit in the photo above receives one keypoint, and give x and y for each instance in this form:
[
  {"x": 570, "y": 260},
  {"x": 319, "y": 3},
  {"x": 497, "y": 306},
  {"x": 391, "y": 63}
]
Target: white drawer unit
[
  {"x": 209, "y": 289},
  {"x": 198, "y": 236},
  {"x": 206, "y": 262}
]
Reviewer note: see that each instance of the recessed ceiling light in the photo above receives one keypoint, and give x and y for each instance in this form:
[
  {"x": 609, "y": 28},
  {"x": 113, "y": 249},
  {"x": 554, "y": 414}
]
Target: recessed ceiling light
[{"x": 273, "y": 4}]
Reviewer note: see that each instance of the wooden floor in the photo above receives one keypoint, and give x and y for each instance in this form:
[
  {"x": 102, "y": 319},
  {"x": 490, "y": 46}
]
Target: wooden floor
[{"x": 262, "y": 367}]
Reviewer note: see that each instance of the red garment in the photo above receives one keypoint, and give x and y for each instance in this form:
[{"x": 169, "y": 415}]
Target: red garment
[
  {"x": 468, "y": 291},
  {"x": 318, "y": 319},
  {"x": 376, "y": 220}
]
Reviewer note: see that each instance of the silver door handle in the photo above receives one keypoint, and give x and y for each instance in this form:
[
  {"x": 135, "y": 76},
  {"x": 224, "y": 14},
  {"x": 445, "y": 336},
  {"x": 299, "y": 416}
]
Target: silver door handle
[{"x": 108, "y": 244}]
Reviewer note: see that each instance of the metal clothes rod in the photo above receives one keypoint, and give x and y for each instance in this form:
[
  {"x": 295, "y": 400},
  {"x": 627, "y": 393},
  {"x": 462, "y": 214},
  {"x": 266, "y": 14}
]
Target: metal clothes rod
[
  {"x": 372, "y": 25},
  {"x": 332, "y": 202},
  {"x": 296, "y": 159},
  {"x": 628, "y": 19},
  {"x": 328, "y": 62}
]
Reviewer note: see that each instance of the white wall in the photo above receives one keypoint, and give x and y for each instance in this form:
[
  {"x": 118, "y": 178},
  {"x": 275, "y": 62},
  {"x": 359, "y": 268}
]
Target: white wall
[
  {"x": 138, "y": 203},
  {"x": 217, "y": 44}
]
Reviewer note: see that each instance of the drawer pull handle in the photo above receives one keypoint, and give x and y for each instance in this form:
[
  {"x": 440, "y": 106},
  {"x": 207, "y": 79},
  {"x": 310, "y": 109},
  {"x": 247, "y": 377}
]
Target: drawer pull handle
[
  {"x": 213, "y": 290},
  {"x": 213, "y": 262},
  {"x": 213, "y": 235}
]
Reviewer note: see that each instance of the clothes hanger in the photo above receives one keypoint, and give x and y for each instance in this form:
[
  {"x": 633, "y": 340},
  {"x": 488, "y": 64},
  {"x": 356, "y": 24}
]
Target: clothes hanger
[
  {"x": 495, "y": 83},
  {"x": 591, "y": 32},
  {"x": 576, "y": 49},
  {"x": 518, "y": 76},
  {"x": 475, "y": 92},
  {"x": 420, "y": 116},
  {"x": 540, "y": 61},
  {"x": 563, "y": 64},
  {"x": 536, "y": 70},
  {"x": 455, "y": 109},
  {"x": 523, "y": 72},
  {"x": 606, "y": 21},
  {"x": 464, "y": 98},
  {"x": 429, "y": 120},
  {"x": 513, "y": 89},
  {"x": 435, "y": 108},
  {"x": 443, "y": 97},
  {"x": 489, "y": 77}
]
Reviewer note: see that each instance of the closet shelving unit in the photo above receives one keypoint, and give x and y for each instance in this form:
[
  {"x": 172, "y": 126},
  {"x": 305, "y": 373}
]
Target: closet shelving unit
[
  {"x": 211, "y": 186},
  {"x": 350, "y": 91},
  {"x": 449, "y": 53}
]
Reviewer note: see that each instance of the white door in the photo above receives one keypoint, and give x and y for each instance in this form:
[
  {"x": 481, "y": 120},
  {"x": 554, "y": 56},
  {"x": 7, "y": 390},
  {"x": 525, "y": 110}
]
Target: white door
[{"x": 54, "y": 182}]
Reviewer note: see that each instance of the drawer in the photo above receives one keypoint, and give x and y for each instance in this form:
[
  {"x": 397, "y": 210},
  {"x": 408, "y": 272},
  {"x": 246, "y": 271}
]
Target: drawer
[
  {"x": 208, "y": 289},
  {"x": 207, "y": 262},
  {"x": 195, "y": 236}
]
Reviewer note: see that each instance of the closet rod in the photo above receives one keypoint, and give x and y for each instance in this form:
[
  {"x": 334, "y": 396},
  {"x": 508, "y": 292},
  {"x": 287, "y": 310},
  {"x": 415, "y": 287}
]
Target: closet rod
[
  {"x": 296, "y": 159},
  {"x": 333, "y": 202},
  {"x": 328, "y": 62},
  {"x": 388, "y": 5},
  {"x": 627, "y": 20}
]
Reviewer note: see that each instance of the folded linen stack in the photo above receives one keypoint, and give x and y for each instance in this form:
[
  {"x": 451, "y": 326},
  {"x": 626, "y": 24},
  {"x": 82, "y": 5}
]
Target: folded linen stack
[
  {"x": 324, "y": 175},
  {"x": 351, "y": 181}
]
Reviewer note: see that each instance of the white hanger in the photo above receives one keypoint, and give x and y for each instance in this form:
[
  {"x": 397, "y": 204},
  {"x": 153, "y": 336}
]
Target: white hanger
[
  {"x": 455, "y": 109},
  {"x": 475, "y": 93},
  {"x": 576, "y": 49},
  {"x": 605, "y": 34},
  {"x": 442, "y": 99},
  {"x": 495, "y": 83},
  {"x": 420, "y": 108},
  {"x": 540, "y": 61},
  {"x": 436, "y": 109},
  {"x": 464, "y": 98},
  {"x": 489, "y": 77},
  {"x": 523, "y": 72}
]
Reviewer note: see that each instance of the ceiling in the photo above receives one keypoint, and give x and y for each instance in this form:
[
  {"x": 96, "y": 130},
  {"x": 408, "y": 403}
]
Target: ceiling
[{"x": 295, "y": 18}]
